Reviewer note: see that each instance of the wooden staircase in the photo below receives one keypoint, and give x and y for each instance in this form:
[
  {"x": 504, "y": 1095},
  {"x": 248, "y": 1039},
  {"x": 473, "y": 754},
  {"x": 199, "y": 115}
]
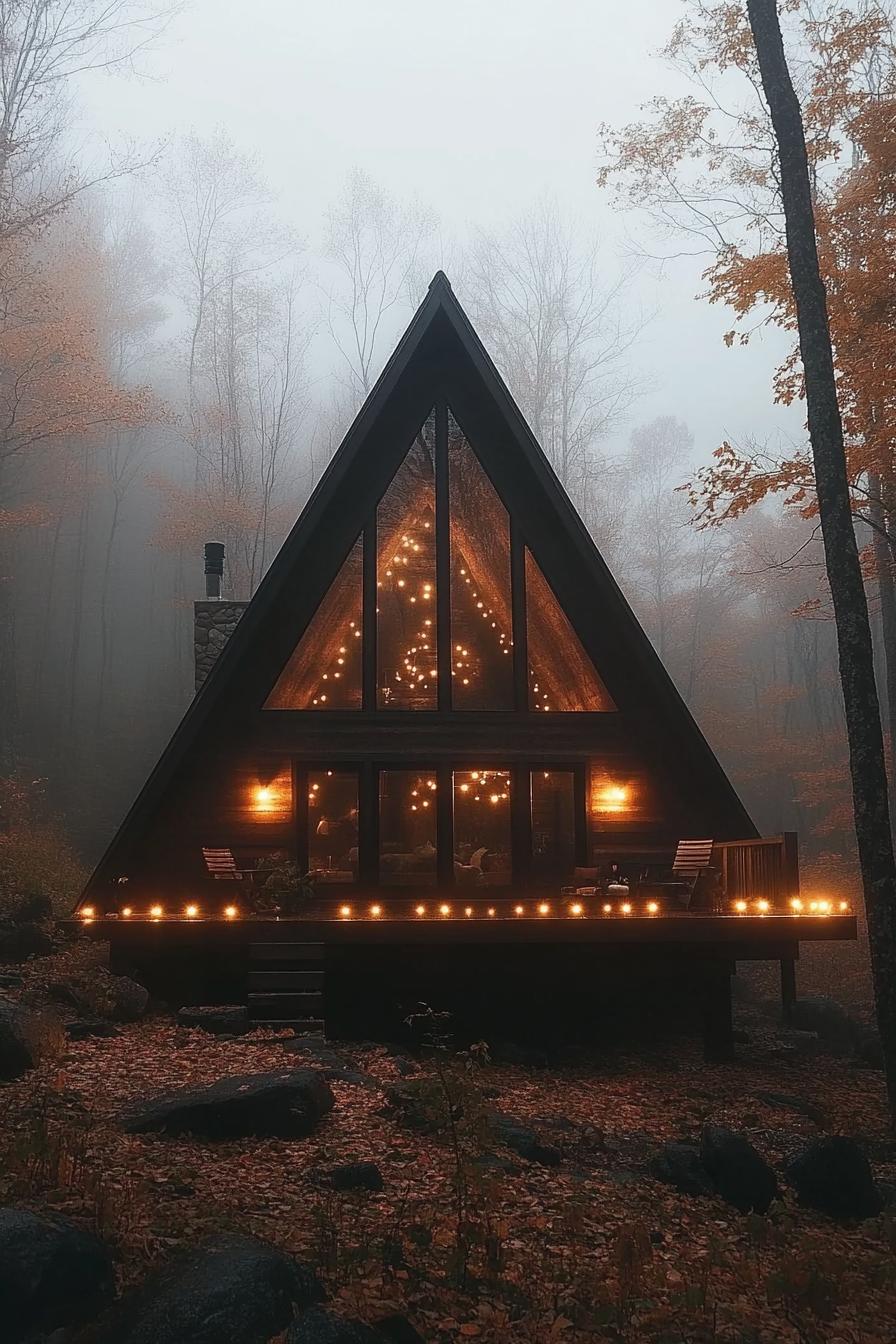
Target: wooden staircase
[{"x": 286, "y": 985}]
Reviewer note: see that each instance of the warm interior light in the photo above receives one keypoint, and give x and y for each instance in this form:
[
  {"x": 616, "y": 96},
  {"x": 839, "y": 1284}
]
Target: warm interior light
[
  {"x": 345, "y": 911},
  {"x": 611, "y": 798},
  {"x": 575, "y": 909},
  {"x": 376, "y": 910},
  {"x": 230, "y": 912},
  {"x": 156, "y": 911},
  {"x": 191, "y": 911},
  {"x": 740, "y": 907},
  {"x": 87, "y": 912},
  {"x": 652, "y": 907},
  {"x": 544, "y": 908}
]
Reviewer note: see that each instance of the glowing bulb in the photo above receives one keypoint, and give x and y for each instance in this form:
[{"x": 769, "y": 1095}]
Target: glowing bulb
[
  {"x": 796, "y": 905},
  {"x": 652, "y": 907},
  {"x": 491, "y": 911},
  {"x": 345, "y": 911},
  {"x": 740, "y": 907},
  {"x": 496, "y": 798},
  {"x": 444, "y": 909},
  {"x": 230, "y": 912},
  {"x": 376, "y": 911},
  {"x": 575, "y": 909},
  {"x": 824, "y": 907},
  {"x": 608, "y": 909},
  {"x": 468, "y": 910},
  {"x": 544, "y": 908},
  {"x": 763, "y": 907},
  {"x": 517, "y": 909},
  {"x": 191, "y": 911},
  {"x": 126, "y": 912},
  {"x": 626, "y": 908},
  {"x": 87, "y": 912},
  {"x": 844, "y": 906},
  {"x": 156, "y": 911},
  {"x": 421, "y": 909}
]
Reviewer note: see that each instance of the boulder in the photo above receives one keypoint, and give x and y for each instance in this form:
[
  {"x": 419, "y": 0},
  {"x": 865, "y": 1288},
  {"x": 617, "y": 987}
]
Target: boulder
[
  {"x": 740, "y": 1175},
  {"x": 230, "y": 1020},
  {"x": 681, "y": 1165},
  {"x": 82, "y": 1028},
  {"x": 319, "y": 1326},
  {"x": 523, "y": 1140},
  {"x": 25, "y": 1038},
  {"x": 285, "y": 1104},
  {"x": 97, "y": 993},
  {"x": 825, "y": 1016},
  {"x": 832, "y": 1175},
  {"x": 230, "y": 1289},
  {"x": 868, "y": 1046},
  {"x": 351, "y": 1077},
  {"x": 355, "y": 1176},
  {"x": 51, "y": 1274},
  {"x": 18, "y": 942}
]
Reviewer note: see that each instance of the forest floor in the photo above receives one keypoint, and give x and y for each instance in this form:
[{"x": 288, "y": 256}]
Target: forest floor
[{"x": 592, "y": 1248}]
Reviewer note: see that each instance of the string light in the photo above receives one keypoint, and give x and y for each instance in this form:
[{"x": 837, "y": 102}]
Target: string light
[
  {"x": 491, "y": 911},
  {"x": 345, "y": 911},
  {"x": 796, "y": 905},
  {"x": 156, "y": 911},
  {"x": 87, "y": 911},
  {"x": 444, "y": 909},
  {"x": 608, "y": 909},
  {"x": 763, "y": 907},
  {"x": 844, "y": 906},
  {"x": 544, "y": 908},
  {"x": 575, "y": 909},
  {"x": 376, "y": 911},
  {"x": 626, "y": 908},
  {"x": 126, "y": 912},
  {"x": 517, "y": 909},
  {"x": 421, "y": 909},
  {"x": 652, "y": 907},
  {"x": 230, "y": 912},
  {"x": 740, "y": 907},
  {"x": 468, "y": 910},
  {"x": 191, "y": 911}
]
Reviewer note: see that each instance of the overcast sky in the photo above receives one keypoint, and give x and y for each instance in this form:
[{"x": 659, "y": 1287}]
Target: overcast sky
[{"x": 475, "y": 109}]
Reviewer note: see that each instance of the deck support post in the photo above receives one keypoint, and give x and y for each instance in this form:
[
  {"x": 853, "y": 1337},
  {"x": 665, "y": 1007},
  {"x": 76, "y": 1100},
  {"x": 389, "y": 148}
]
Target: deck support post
[
  {"x": 788, "y": 987},
  {"x": 718, "y": 1028}
]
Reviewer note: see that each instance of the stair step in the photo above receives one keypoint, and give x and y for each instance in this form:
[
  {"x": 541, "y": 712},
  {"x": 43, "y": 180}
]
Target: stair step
[
  {"x": 299, "y": 981},
  {"x": 280, "y": 1005},
  {"x": 312, "y": 1025}
]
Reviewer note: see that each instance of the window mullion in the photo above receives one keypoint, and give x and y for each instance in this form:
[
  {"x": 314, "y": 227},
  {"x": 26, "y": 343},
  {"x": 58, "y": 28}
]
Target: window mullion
[
  {"x": 368, "y": 627},
  {"x": 445, "y": 826},
  {"x": 520, "y": 633},
  {"x": 443, "y": 560}
]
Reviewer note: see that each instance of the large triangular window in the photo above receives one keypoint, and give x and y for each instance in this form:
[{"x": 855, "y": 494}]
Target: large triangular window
[
  {"x": 481, "y": 606},
  {"x": 324, "y": 671},
  {"x": 561, "y": 675},
  {"x": 406, "y": 599}
]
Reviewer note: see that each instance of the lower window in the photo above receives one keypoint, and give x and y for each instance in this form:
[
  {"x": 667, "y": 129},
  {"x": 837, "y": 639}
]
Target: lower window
[
  {"x": 408, "y": 828},
  {"x": 333, "y": 825},
  {"x": 482, "y": 837},
  {"x": 553, "y": 800}
]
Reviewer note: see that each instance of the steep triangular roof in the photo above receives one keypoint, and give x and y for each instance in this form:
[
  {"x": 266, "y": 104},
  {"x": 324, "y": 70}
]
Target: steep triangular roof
[{"x": 438, "y": 355}]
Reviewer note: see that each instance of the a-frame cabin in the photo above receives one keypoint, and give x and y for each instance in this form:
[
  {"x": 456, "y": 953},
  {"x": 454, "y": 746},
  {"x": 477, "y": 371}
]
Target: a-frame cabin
[{"x": 440, "y": 712}]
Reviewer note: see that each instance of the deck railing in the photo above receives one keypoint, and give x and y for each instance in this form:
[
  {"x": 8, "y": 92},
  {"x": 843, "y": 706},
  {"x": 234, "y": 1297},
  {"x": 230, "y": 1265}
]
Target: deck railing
[{"x": 766, "y": 869}]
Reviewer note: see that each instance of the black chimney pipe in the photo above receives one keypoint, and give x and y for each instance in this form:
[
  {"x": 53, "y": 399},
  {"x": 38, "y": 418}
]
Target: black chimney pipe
[{"x": 214, "y": 568}]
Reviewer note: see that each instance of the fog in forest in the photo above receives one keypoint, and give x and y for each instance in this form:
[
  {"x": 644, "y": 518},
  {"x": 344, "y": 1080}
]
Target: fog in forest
[{"x": 242, "y": 210}]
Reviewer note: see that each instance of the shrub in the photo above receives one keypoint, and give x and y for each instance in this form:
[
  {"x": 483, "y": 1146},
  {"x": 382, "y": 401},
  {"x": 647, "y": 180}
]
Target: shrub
[{"x": 40, "y": 875}]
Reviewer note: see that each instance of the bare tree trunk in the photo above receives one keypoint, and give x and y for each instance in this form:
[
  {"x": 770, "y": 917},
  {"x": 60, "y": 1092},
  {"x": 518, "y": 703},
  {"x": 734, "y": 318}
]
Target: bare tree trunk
[
  {"x": 863, "y": 725},
  {"x": 886, "y": 588}
]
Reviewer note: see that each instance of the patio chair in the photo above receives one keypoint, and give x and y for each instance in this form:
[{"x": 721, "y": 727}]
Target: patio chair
[
  {"x": 221, "y": 865},
  {"x": 691, "y": 860}
]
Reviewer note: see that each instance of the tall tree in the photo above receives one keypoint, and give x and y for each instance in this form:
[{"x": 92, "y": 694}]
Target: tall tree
[{"x": 866, "y": 747}]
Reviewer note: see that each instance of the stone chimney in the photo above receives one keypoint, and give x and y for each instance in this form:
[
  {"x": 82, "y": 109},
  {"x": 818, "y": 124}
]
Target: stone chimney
[{"x": 214, "y": 619}]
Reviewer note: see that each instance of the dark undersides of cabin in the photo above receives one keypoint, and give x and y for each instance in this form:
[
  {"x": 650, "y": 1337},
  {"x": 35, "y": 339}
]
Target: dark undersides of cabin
[{"x": 590, "y": 981}]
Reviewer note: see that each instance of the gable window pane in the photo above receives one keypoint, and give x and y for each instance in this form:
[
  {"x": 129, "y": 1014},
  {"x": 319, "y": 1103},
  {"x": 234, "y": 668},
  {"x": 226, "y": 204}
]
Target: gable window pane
[
  {"x": 324, "y": 671},
  {"x": 407, "y": 664},
  {"x": 553, "y": 826},
  {"x": 407, "y": 828},
  {"x": 481, "y": 620},
  {"x": 561, "y": 675},
  {"x": 333, "y": 825},
  {"x": 482, "y": 854}
]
